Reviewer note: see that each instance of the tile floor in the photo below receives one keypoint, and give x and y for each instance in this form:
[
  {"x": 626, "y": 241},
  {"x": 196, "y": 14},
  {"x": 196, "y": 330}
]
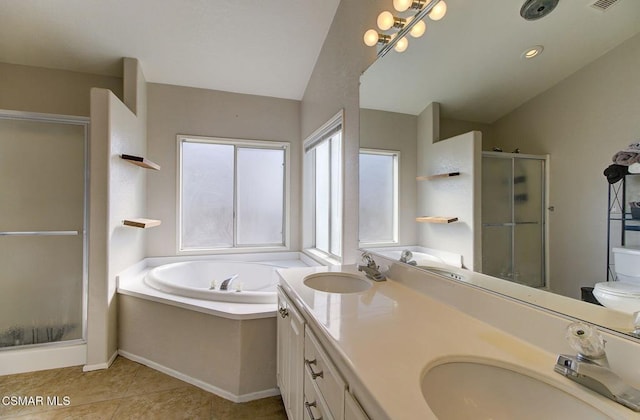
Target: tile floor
[{"x": 127, "y": 390}]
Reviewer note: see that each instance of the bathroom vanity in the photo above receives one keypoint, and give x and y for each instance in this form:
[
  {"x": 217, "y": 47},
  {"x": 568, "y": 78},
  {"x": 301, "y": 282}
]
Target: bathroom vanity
[{"x": 355, "y": 349}]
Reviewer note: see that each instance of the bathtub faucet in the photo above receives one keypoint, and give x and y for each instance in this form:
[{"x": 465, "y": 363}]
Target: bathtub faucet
[{"x": 226, "y": 283}]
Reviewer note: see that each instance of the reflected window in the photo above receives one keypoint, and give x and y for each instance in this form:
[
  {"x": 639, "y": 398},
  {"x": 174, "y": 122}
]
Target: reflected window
[
  {"x": 232, "y": 193},
  {"x": 378, "y": 196}
]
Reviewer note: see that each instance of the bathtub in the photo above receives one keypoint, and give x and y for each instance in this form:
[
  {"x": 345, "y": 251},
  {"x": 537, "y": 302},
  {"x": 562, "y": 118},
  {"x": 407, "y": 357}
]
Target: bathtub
[{"x": 249, "y": 282}]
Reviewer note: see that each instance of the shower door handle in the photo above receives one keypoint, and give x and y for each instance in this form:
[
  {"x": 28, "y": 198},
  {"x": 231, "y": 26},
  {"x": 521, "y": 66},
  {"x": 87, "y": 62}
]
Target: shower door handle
[
  {"x": 41, "y": 233},
  {"x": 497, "y": 224}
]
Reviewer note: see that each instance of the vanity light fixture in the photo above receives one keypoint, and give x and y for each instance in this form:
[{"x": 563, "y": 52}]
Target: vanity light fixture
[
  {"x": 410, "y": 25},
  {"x": 372, "y": 37},
  {"x": 402, "y": 5},
  {"x": 418, "y": 29},
  {"x": 387, "y": 21},
  {"x": 438, "y": 11},
  {"x": 401, "y": 45},
  {"x": 532, "y": 52}
]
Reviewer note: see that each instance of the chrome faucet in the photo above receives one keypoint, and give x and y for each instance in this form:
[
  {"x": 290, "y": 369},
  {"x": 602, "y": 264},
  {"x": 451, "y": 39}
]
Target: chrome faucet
[
  {"x": 226, "y": 283},
  {"x": 590, "y": 367},
  {"x": 406, "y": 257},
  {"x": 371, "y": 270}
]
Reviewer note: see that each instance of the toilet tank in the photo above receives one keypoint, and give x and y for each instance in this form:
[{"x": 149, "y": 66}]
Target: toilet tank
[{"x": 627, "y": 263}]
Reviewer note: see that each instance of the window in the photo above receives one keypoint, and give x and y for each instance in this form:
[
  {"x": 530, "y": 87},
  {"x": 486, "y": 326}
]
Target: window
[
  {"x": 378, "y": 196},
  {"x": 323, "y": 167},
  {"x": 232, "y": 193}
]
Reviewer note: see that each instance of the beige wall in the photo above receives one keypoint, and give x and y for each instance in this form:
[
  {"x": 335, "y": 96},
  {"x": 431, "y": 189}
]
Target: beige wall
[
  {"x": 36, "y": 89},
  {"x": 581, "y": 122},
  {"x": 451, "y": 128},
  {"x": 334, "y": 85},
  {"x": 177, "y": 110},
  {"x": 236, "y": 357},
  {"x": 393, "y": 131}
]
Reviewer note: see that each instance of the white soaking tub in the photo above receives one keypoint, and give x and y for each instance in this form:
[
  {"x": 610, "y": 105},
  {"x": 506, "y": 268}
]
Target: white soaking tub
[{"x": 245, "y": 282}]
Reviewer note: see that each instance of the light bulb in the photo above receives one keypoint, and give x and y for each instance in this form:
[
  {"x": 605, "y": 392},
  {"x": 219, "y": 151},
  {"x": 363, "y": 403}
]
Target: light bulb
[
  {"x": 401, "y": 45},
  {"x": 385, "y": 20},
  {"x": 438, "y": 11},
  {"x": 532, "y": 52},
  {"x": 371, "y": 37},
  {"x": 418, "y": 29},
  {"x": 402, "y": 5}
]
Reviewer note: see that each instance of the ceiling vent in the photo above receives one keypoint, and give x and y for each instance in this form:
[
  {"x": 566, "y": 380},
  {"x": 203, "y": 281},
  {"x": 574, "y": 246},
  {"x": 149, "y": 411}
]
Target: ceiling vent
[{"x": 603, "y": 5}]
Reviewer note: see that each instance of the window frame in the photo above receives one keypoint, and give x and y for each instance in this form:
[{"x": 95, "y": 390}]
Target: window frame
[
  {"x": 236, "y": 143},
  {"x": 396, "y": 195},
  {"x": 321, "y": 135}
]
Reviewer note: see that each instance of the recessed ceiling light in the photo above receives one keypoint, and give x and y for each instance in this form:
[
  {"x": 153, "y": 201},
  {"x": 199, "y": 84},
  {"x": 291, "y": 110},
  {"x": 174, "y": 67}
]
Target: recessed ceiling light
[{"x": 532, "y": 52}]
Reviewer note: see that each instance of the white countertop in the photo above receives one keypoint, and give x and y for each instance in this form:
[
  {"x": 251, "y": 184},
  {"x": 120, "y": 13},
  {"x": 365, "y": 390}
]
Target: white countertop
[{"x": 390, "y": 335}]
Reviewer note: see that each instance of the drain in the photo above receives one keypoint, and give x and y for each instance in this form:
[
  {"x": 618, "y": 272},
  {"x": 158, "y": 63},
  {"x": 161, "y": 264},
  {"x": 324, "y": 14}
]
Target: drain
[{"x": 536, "y": 9}]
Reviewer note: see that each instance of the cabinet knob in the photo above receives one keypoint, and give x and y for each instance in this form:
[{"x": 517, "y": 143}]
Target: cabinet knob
[{"x": 283, "y": 312}]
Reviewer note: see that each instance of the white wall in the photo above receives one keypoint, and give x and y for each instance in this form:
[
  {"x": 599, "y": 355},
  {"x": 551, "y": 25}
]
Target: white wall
[
  {"x": 177, "y": 110},
  {"x": 393, "y": 131},
  {"x": 457, "y": 196},
  {"x": 334, "y": 85},
  {"x": 117, "y": 192},
  {"x": 581, "y": 122}
]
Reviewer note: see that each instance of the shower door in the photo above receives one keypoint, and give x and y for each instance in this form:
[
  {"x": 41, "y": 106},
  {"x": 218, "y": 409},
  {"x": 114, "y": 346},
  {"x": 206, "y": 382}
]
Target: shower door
[
  {"x": 42, "y": 229},
  {"x": 513, "y": 202}
]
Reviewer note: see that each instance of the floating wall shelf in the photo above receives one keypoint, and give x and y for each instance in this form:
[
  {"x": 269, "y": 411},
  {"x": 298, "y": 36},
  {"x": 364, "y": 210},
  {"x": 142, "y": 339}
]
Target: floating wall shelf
[
  {"x": 436, "y": 219},
  {"x": 140, "y": 161},
  {"x": 446, "y": 175},
  {"x": 141, "y": 223}
]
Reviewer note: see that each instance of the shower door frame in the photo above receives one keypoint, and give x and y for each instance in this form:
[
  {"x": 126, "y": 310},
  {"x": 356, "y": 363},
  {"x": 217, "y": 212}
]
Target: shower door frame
[
  {"x": 85, "y": 123},
  {"x": 545, "y": 207}
]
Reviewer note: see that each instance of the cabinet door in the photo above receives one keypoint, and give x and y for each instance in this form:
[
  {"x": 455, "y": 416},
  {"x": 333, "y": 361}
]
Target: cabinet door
[
  {"x": 296, "y": 363},
  {"x": 290, "y": 357},
  {"x": 352, "y": 410},
  {"x": 283, "y": 326}
]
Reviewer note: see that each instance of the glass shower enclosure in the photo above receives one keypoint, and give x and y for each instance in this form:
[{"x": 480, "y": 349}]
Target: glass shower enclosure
[
  {"x": 43, "y": 242},
  {"x": 513, "y": 217}
]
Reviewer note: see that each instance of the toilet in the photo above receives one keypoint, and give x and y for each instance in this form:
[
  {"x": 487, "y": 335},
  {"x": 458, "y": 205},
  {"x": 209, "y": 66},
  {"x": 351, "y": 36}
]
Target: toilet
[{"x": 623, "y": 294}]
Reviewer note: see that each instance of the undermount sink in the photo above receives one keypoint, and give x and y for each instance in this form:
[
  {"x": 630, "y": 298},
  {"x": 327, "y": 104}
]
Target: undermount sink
[
  {"x": 470, "y": 390},
  {"x": 337, "y": 282}
]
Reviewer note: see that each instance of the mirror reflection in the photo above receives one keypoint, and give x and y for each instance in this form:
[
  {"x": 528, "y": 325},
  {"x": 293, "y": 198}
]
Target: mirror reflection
[{"x": 509, "y": 152}]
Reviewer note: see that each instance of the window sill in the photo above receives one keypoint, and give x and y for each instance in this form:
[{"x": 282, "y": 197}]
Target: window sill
[
  {"x": 321, "y": 257},
  {"x": 248, "y": 250}
]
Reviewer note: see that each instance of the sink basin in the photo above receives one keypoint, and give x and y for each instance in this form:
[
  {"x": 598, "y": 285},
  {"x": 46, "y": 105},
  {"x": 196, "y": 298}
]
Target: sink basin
[
  {"x": 470, "y": 390},
  {"x": 337, "y": 282}
]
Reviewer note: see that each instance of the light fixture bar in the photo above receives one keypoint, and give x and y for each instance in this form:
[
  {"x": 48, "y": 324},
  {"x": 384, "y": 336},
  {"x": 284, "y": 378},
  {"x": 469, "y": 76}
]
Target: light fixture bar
[{"x": 407, "y": 28}]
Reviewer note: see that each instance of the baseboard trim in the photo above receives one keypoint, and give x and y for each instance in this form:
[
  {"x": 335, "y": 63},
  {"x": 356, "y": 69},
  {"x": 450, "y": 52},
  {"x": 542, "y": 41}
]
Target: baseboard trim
[
  {"x": 200, "y": 384},
  {"x": 100, "y": 366}
]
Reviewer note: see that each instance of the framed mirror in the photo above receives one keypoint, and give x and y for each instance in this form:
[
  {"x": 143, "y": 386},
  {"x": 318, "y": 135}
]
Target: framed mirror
[{"x": 565, "y": 113}]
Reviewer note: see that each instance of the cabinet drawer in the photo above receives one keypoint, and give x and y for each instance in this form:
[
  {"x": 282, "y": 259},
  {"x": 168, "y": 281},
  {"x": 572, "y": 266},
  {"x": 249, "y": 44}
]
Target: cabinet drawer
[
  {"x": 315, "y": 407},
  {"x": 321, "y": 371}
]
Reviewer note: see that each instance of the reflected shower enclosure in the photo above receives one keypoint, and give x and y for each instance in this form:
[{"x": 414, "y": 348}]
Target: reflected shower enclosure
[
  {"x": 42, "y": 228},
  {"x": 513, "y": 217}
]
